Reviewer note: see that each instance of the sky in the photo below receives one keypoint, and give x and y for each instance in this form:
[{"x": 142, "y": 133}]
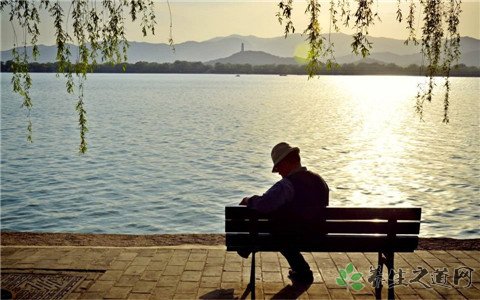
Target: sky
[{"x": 203, "y": 20}]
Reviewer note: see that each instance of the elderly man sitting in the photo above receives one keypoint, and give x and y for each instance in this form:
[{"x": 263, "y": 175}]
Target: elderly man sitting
[{"x": 298, "y": 198}]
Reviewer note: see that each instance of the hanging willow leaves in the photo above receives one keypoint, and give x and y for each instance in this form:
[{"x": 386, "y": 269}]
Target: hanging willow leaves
[
  {"x": 99, "y": 33},
  {"x": 286, "y": 7},
  {"x": 440, "y": 39}
]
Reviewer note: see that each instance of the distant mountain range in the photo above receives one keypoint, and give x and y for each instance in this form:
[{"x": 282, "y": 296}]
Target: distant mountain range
[{"x": 277, "y": 50}]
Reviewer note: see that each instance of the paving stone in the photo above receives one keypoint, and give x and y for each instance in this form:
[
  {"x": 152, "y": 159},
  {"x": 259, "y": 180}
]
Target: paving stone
[
  {"x": 143, "y": 286},
  {"x": 216, "y": 253},
  {"x": 236, "y": 286},
  {"x": 173, "y": 270},
  {"x": 428, "y": 294},
  {"x": 458, "y": 254},
  {"x": 151, "y": 275},
  {"x": 93, "y": 295},
  {"x": 470, "y": 262},
  {"x": 191, "y": 276},
  {"x": 212, "y": 270},
  {"x": 340, "y": 294},
  {"x": 234, "y": 266},
  {"x": 434, "y": 262},
  {"x": 119, "y": 265},
  {"x": 209, "y": 293},
  {"x": 22, "y": 265},
  {"x": 187, "y": 288},
  {"x": 360, "y": 297},
  {"x": 194, "y": 265},
  {"x": 271, "y": 267},
  {"x": 147, "y": 252},
  {"x": 272, "y": 287},
  {"x": 448, "y": 292},
  {"x": 49, "y": 264},
  {"x": 197, "y": 256},
  {"x": 161, "y": 293},
  {"x": 101, "y": 286},
  {"x": 178, "y": 261},
  {"x": 118, "y": 293},
  {"x": 111, "y": 275},
  {"x": 324, "y": 263},
  {"x": 161, "y": 256},
  {"x": 403, "y": 290},
  {"x": 317, "y": 291},
  {"x": 73, "y": 296},
  {"x": 127, "y": 280},
  {"x": 140, "y": 261},
  {"x": 182, "y": 252},
  {"x": 229, "y": 276},
  {"x": 138, "y": 296},
  {"x": 317, "y": 277},
  {"x": 470, "y": 293},
  {"x": 215, "y": 260},
  {"x": 210, "y": 282},
  {"x": 406, "y": 296},
  {"x": 134, "y": 270},
  {"x": 156, "y": 265},
  {"x": 272, "y": 277},
  {"x": 168, "y": 281},
  {"x": 127, "y": 255},
  {"x": 184, "y": 296},
  {"x": 84, "y": 286},
  {"x": 444, "y": 256}
]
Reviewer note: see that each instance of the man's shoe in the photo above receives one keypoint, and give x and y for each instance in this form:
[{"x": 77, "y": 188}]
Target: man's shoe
[
  {"x": 244, "y": 253},
  {"x": 304, "y": 277}
]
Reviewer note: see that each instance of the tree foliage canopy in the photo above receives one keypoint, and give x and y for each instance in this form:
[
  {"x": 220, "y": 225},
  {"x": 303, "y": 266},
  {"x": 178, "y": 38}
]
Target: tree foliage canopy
[{"x": 99, "y": 32}]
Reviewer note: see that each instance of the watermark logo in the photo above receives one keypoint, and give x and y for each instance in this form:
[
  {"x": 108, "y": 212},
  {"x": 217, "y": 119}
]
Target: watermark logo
[
  {"x": 350, "y": 278},
  {"x": 462, "y": 277}
]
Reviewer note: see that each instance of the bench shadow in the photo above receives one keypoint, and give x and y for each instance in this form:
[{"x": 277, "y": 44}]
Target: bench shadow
[
  {"x": 219, "y": 294},
  {"x": 291, "y": 291}
]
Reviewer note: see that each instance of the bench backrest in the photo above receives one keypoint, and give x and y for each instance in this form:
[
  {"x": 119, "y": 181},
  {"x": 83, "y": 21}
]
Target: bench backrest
[{"x": 354, "y": 229}]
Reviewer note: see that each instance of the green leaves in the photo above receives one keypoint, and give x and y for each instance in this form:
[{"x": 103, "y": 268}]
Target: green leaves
[
  {"x": 350, "y": 278},
  {"x": 341, "y": 282},
  {"x": 286, "y": 7},
  {"x": 357, "y": 286},
  {"x": 349, "y": 268},
  {"x": 356, "y": 276}
]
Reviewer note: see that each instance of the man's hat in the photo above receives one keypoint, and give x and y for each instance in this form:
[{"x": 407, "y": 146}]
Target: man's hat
[{"x": 280, "y": 151}]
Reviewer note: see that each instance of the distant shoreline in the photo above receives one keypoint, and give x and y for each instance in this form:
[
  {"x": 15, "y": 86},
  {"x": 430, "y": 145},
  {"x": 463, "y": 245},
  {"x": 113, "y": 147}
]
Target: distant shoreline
[
  {"x": 150, "y": 240},
  {"x": 186, "y": 67}
]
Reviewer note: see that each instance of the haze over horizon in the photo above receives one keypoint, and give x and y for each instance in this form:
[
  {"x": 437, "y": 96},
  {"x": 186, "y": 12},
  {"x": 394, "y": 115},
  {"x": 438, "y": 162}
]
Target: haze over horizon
[{"x": 201, "y": 21}]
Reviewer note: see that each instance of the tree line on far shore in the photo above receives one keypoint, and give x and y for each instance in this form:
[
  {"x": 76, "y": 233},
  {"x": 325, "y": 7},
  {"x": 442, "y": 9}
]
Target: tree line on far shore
[{"x": 362, "y": 68}]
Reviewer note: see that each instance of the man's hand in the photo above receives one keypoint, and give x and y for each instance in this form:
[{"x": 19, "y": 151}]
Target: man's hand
[{"x": 245, "y": 201}]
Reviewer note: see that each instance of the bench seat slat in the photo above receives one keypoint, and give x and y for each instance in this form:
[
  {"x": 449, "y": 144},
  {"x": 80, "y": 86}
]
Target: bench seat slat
[
  {"x": 342, "y": 213},
  {"x": 366, "y": 213},
  {"x": 327, "y": 243},
  {"x": 244, "y": 225}
]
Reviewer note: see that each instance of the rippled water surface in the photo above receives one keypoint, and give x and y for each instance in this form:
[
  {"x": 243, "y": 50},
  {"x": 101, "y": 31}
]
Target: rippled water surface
[{"x": 168, "y": 152}]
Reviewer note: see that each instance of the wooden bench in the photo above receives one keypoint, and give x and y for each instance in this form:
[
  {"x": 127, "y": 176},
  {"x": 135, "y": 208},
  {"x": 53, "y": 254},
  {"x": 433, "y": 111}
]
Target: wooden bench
[{"x": 341, "y": 229}]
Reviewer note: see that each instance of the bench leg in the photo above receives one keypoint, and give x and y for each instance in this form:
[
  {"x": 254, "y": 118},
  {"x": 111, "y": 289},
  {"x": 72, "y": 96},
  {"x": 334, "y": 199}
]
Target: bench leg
[
  {"x": 252, "y": 276},
  {"x": 391, "y": 284}
]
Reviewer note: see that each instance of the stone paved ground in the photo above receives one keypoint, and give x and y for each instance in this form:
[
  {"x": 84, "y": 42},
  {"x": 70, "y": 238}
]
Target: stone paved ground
[{"x": 192, "y": 272}]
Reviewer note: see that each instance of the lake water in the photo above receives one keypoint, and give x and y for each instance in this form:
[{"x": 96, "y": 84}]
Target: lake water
[{"x": 168, "y": 152}]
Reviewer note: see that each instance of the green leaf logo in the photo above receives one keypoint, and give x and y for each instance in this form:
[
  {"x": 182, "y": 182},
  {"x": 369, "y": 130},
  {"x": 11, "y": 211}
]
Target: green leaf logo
[{"x": 349, "y": 277}]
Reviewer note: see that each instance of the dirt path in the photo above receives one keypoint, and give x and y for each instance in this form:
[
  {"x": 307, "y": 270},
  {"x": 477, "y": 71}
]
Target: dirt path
[{"x": 126, "y": 240}]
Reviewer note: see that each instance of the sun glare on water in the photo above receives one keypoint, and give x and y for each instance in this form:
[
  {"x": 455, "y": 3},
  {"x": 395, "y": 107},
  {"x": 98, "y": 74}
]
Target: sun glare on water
[{"x": 381, "y": 110}]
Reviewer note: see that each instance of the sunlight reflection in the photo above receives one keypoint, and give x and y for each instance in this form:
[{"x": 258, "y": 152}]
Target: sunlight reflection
[{"x": 379, "y": 117}]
